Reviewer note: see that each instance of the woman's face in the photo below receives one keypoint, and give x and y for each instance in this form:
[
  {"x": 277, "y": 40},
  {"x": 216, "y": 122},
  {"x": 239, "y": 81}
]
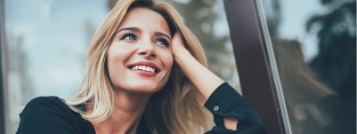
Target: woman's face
[{"x": 139, "y": 56}]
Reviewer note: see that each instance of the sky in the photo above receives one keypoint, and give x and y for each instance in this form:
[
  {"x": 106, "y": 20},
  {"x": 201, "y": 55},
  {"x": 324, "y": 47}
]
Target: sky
[
  {"x": 295, "y": 13},
  {"x": 56, "y": 42}
]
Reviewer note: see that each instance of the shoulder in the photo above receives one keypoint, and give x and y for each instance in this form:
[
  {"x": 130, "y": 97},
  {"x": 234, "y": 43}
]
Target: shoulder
[
  {"x": 40, "y": 107},
  {"x": 45, "y": 103},
  {"x": 44, "y": 100},
  {"x": 48, "y": 115}
]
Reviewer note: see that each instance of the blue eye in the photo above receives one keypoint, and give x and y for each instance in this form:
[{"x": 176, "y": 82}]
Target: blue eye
[
  {"x": 128, "y": 36},
  {"x": 162, "y": 42}
]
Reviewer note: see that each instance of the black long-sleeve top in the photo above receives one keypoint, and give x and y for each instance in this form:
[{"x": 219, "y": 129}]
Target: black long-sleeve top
[{"x": 50, "y": 115}]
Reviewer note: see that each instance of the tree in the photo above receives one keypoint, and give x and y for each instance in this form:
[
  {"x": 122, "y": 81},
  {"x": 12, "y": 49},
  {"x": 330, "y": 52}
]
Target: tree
[{"x": 336, "y": 61}]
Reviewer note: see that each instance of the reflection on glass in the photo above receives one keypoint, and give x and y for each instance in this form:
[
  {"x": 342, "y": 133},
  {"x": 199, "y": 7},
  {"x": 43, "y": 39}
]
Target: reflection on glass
[
  {"x": 47, "y": 43},
  {"x": 315, "y": 49}
]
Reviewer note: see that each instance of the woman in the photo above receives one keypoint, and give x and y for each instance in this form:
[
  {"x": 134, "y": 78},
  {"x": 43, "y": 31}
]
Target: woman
[{"x": 145, "y": 74}]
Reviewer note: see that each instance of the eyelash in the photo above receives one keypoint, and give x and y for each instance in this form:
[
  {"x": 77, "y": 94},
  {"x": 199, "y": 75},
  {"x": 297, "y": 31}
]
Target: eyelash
[
  {"x": 165, "y": 42},
  {"x": 128, "y": 34}
]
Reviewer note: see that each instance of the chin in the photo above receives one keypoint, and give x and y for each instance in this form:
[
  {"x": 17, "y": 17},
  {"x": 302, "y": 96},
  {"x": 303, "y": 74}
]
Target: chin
[
  {"x": 144, "y": 87},
  {"x": 143, "y": 90}
]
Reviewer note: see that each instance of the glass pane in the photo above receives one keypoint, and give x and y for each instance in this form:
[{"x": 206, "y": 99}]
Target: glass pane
[
  {"x": 47, "y": 42},
  {"x": 314, "y": 43}
]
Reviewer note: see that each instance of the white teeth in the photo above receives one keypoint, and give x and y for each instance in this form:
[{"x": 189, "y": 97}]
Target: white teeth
[{"x": 144, "y": 68}]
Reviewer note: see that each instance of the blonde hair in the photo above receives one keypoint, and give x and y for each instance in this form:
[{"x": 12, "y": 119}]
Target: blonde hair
[{"x": 177, "y": 108}]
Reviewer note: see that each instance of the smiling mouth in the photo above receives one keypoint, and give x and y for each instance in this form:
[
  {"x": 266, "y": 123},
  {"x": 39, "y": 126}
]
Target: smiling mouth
[{"x": 143, "y": 68}]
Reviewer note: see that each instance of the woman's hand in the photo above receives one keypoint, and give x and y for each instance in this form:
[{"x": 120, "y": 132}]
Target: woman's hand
[
  {"x": 205, "y": 81},
  {"x": 199, "y": 75},
  {"x": 178, "y": 45}
]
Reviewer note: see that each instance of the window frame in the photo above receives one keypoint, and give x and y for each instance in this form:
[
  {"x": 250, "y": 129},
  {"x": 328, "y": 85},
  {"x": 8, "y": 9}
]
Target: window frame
[
  {"x": 256, "y": 65},
  {"x": 3, "y": 84}
]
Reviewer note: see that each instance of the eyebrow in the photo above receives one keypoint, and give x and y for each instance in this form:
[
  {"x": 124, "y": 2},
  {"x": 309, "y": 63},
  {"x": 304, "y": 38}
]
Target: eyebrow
[
  {"x": 162, "y": 34},
  {"x": 135, "y": 29},
  {"x": 129, "y": 28}
]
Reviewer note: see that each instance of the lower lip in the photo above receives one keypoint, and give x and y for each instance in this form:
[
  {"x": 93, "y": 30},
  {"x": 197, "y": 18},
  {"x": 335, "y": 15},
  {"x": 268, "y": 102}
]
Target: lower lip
[{"x": 144, "y": 73}]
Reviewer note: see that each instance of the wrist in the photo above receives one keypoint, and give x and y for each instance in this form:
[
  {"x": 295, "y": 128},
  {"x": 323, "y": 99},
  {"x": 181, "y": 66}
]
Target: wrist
[
  {"x": 184, "y": 59},
  {"x": 180, "y": 54}
]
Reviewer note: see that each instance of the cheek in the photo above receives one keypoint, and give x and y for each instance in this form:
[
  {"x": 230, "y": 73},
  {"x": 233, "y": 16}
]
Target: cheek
[
  {"x": 115, "y": 60},
  {"x": 167, "y": 61},
  {"x": 118, "y": 53}
]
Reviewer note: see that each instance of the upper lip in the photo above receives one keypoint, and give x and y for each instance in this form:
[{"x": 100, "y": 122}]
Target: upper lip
[{"x": 145, "y": 63}]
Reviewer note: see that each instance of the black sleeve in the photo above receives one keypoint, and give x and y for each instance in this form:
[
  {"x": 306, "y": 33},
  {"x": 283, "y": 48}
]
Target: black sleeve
[
  {"x": 226, "y": 102},
  {"x": 46, "y": 115}
]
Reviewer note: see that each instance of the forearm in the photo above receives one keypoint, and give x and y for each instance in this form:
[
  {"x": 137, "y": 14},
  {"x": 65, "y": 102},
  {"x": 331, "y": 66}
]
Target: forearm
[
  {"x": 203, "y": 79},
  {"x": 199, "y": 75}
]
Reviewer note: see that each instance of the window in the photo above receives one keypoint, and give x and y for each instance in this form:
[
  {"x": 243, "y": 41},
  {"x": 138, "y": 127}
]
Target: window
[
  {"x": 296, "y": 59},
  {"x": 314, "y": 45},
  {"x": 297, "y": 62}
]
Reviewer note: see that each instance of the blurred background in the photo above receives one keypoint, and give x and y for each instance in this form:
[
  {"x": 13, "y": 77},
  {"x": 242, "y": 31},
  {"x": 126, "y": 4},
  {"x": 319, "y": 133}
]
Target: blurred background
[
  {"x": 314, "y": 44},
  {"x": 314, "y": 41}
]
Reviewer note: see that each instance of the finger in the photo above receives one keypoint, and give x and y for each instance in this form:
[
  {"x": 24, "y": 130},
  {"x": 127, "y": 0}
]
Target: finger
[{"x": 177, "y": 38}]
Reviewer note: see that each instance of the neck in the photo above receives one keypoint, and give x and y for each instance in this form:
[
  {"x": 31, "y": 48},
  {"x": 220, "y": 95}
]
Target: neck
[{"x": 127, "y": 112}]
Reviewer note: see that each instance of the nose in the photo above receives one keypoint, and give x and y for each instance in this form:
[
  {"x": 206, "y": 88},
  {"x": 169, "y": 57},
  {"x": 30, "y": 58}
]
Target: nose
[{"x": 146, "y": 49}]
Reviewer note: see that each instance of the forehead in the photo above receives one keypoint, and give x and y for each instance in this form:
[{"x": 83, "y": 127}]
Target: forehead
[{"x": 145, "y": 19}]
